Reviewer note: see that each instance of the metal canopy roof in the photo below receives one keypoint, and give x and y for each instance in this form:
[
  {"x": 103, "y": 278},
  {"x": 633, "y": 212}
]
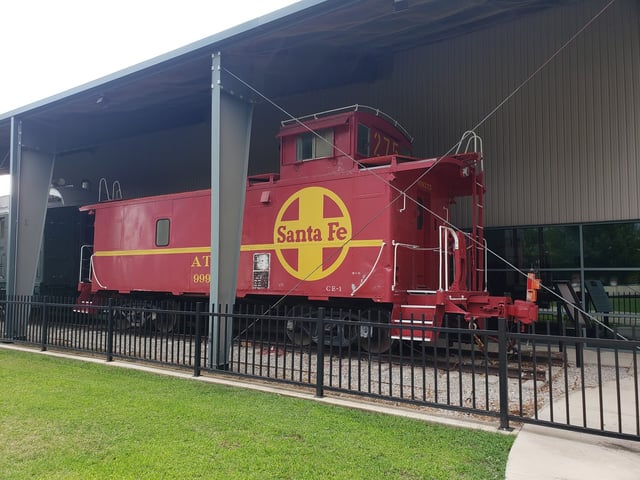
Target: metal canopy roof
[{"x": 308, "y": 46}]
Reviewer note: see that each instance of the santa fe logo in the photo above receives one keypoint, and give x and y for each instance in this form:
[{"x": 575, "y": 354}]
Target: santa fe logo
[{"x": 311, "y": 233}]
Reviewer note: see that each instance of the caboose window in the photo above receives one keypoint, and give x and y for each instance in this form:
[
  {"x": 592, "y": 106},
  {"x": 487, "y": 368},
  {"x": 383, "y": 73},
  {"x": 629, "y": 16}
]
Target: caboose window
[
  {"x": 364, "y": 140},
  {"x": 162, "y": 232},
  {"x": 314, "y": 145}
]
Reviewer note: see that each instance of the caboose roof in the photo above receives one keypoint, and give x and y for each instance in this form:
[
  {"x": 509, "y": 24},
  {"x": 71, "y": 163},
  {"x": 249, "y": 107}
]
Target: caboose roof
[
  {"x": 330, "y": 118},
  {"x": 140, "y": 200}
]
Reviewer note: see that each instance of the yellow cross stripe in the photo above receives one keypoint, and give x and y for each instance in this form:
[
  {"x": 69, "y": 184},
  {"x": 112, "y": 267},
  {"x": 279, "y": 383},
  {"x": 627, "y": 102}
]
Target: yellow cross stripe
[
  {"x": 257, "y": 247},
  {"x": 295, "y": 246}
]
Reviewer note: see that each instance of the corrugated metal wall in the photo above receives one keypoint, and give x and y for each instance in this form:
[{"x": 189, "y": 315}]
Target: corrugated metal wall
[{"x": 566, "y": 147}]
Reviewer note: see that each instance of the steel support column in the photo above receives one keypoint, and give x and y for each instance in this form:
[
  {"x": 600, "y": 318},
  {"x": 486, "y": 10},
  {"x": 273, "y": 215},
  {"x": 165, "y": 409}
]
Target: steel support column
[
  {"x": 230, "y": 136},
  {"x": 31, "y": 171}
]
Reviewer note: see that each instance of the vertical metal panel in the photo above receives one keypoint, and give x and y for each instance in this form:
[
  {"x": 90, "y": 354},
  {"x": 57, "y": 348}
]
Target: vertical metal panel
[
  {"x": 31, "y": 172},
  {"x": 230, "y": 136}
]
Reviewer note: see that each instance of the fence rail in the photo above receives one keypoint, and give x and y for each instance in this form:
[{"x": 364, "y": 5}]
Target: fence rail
[{"x": 570, "y": 382}]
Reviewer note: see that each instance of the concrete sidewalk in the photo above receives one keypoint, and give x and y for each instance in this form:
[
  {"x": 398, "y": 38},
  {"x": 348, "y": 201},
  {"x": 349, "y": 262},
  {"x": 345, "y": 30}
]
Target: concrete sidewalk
[{"x": 549, "y": 453}]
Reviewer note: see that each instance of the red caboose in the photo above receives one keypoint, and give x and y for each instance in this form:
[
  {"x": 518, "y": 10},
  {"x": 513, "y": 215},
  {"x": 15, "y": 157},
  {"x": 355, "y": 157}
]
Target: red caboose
[{"x": 350, "y": 219}]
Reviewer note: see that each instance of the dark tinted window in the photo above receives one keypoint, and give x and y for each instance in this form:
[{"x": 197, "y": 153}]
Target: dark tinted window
[
  {"x": 364, "y": 140},
  {"x": 162, "y": 232},
  {"x": 612, "y": 245}
]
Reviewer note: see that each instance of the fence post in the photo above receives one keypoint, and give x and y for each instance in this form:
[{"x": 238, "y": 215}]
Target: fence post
[
  {"x": 198, "y": 352},
  {"x": 320, "y": 355},
  {"x": 503, "y": 376},
  {"x": 43, "y": 326},
  {"x": 110, "y": 330},
  {"x": 561, "y": 324},
  {"x": 581, "y": 332}
]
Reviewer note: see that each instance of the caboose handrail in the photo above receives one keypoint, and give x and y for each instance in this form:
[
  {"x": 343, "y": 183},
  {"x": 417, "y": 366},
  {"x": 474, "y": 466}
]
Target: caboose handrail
[
  {"x": 443, "y": 269},
  {"x": 485, "y": 269},
  {"x": 103, "y": 181},
  {"x": 473, "y": 144},
  {"x": 116, "y": 190},
  {"x": 395, "y": 257},
  {"x": 470, "y": 137},
  {"x": 84, "y": 261},
  {"x": 95, "y": 275},
  {"x": 375, "y": 264},
  {"x": 351, "y": 108}
]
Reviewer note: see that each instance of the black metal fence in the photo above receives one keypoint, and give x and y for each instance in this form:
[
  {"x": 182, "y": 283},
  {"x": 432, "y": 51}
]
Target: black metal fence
[{"x": 511, "y": 374}]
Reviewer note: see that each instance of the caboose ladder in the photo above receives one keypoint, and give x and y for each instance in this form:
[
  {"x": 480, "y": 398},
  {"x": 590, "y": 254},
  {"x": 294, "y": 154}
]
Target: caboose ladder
[{"x": 478, "y": 248}]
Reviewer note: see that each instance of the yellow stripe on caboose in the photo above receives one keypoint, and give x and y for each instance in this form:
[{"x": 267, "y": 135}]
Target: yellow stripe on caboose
[
  {"x": 154, "y": 251},
  {"x": 351, "y": 244},
  {"x": 244, "y": 248}
]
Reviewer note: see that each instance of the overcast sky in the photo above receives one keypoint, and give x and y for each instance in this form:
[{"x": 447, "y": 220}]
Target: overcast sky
[{"x": 50, "y": 46}]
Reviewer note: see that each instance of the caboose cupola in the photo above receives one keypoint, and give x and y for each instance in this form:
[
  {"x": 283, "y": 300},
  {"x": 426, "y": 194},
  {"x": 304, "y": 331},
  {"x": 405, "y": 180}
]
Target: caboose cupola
[{"x": 329, "y": 142}]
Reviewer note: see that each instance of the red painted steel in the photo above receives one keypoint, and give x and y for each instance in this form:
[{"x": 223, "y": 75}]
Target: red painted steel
[
  {"x": 373, "y": 230},
  {"x": 126, "y": 258}
]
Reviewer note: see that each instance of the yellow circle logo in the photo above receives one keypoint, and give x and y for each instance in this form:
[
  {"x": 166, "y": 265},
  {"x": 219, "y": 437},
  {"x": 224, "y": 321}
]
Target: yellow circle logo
[{"x": 311, "y": 233}]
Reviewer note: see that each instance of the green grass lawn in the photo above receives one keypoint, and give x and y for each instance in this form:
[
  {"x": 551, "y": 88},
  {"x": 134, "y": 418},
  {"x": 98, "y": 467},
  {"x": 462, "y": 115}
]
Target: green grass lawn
[{"x": 67, "y": 419}]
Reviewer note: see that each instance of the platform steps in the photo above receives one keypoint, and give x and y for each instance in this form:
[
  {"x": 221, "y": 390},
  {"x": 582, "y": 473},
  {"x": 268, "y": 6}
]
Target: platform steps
[{"x": 412, "y": 320}]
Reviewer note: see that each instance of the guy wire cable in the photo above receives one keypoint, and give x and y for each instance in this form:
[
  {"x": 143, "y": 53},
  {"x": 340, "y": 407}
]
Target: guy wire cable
[{"x": 402, "y": 193}]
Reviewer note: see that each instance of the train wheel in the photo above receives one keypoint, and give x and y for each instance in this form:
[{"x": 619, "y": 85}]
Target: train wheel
[
  {"x": 122, "y": 319},
  {"x": 165, "y": 322},
  {"x": 131, "y": 317},
  {"x": 375, "y": 339},
  {"x": 299, "y": 330},
  {"x": 343, "y": 335},
  {"x": 298, "y": 334}
]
